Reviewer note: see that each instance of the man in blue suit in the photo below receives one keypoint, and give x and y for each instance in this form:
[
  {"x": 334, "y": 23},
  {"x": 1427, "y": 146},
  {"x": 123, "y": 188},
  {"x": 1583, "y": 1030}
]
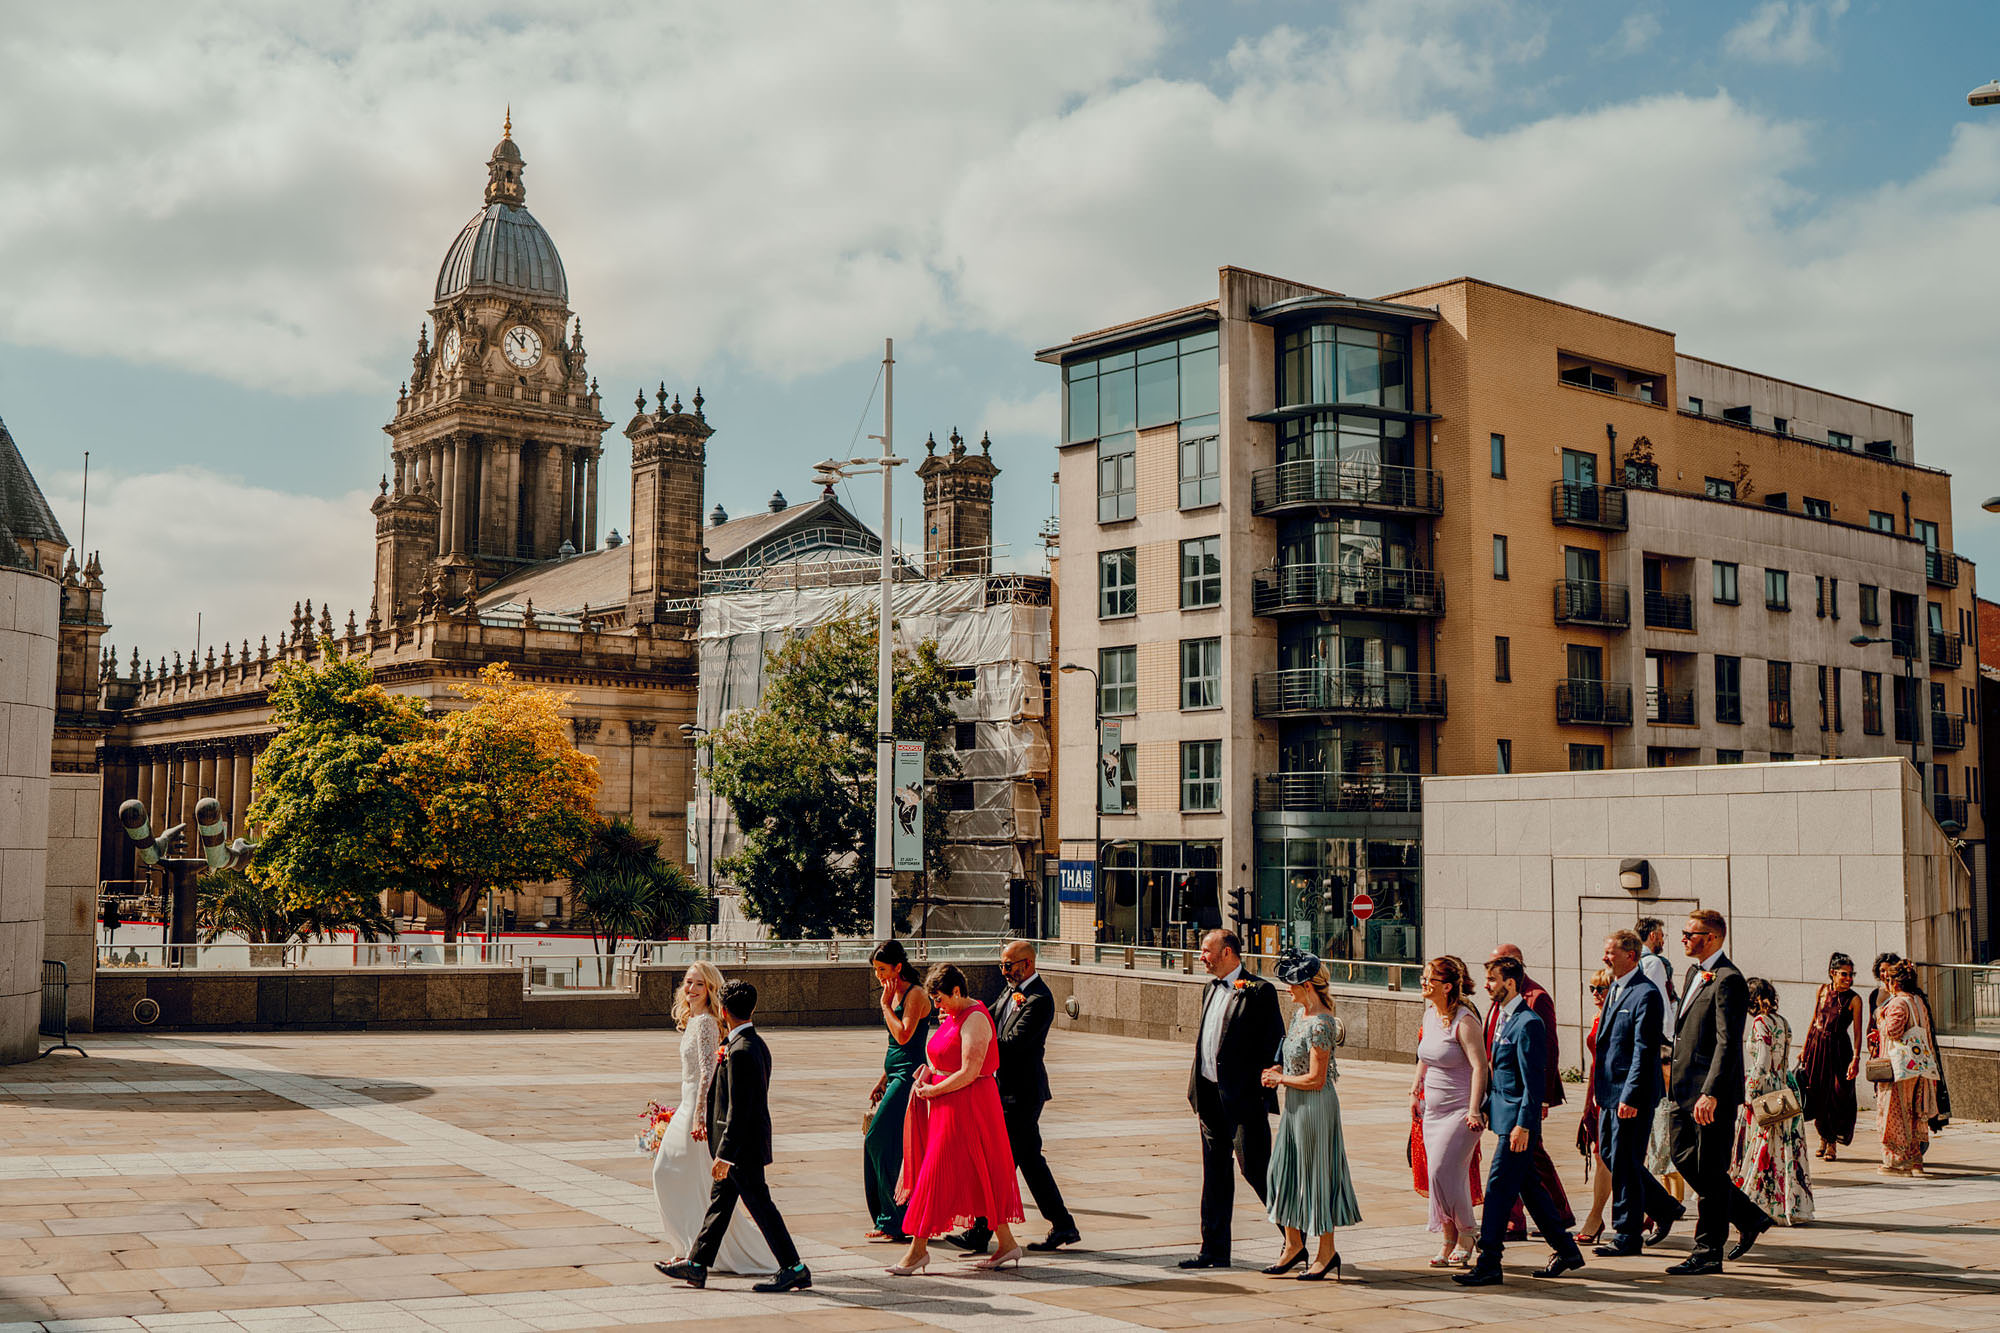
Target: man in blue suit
[
  {"x": 1514, "y": 1110},
  {"x": 1626, "y": 1087}
]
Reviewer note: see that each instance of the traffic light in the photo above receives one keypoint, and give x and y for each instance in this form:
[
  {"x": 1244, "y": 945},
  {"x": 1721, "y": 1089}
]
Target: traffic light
[{"x": 1239, "y": 905}]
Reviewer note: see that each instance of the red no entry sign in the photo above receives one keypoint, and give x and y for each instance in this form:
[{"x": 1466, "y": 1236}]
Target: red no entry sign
[{"x": 1363, "y": 906}]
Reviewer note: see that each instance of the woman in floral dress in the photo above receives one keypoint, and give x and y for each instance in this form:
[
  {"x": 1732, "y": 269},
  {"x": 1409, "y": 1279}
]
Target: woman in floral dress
[
  {"x": 1905, "y": 1106},
  {"x": 1770, "y": 1160}
]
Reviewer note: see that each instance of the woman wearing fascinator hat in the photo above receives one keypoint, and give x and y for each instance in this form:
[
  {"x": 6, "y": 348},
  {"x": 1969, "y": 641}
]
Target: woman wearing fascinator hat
[{"x": 1310, "y": 1188}]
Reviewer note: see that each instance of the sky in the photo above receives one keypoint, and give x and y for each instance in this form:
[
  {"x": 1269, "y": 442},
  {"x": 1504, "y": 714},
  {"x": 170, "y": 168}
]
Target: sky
[{"x": 220, "y": 224}]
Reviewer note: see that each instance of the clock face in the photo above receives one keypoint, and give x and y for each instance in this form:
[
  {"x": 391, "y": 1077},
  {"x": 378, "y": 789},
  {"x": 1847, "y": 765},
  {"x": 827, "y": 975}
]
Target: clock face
[
  {"x": 450, "y": 348},
  {"x": 522, "y": 345}
]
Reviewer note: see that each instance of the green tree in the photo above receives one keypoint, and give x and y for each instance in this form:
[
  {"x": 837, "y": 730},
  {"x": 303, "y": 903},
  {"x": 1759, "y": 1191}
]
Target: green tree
[
  {"x": 624, "y": 890},
  {"x": 799, "y": 773}
]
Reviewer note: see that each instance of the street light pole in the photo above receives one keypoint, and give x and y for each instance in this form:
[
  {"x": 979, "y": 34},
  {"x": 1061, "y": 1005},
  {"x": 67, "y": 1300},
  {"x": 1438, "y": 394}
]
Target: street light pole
[{"x": 1097, "y": 795}]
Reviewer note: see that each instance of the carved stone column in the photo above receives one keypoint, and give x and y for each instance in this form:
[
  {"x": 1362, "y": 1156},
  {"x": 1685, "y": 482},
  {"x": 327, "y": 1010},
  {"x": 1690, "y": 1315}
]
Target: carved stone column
[
  {"x": 204, "y": 776},
  {"x": 639, "y": 789},
  {"x": 565, "y": 529},
  {"x": 447, "y": 498},
  {"x": 590, "y": 506},
  {"x": 159, "y": 793},
  {"x": 461, "y": 488},
  {"x": 225, "y": 786},
  {"x": 240, "y": 763}
]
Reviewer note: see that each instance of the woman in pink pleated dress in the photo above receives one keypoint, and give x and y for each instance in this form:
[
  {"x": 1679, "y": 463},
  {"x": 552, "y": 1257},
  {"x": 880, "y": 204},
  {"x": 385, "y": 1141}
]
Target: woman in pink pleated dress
[{"x": 957, "y": 1165}]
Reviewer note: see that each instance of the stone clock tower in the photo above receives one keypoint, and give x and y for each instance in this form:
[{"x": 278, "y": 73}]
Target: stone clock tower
[{"x": 497, "y": 436}]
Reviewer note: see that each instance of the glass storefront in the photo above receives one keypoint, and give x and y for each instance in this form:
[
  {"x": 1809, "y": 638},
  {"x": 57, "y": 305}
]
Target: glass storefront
[
  {"x": 1306, "y": 888},
  {"x": 1160, "y": 894}
]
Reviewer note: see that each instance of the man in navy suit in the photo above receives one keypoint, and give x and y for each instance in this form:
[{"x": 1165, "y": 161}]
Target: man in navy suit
[
  {"x": 1626, "y": 1087},
  {"x": 1514, "y": 1110}
]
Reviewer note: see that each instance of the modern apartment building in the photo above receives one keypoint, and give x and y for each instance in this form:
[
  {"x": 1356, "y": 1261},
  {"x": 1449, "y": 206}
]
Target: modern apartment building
[{"x": 1316, "y": 546}]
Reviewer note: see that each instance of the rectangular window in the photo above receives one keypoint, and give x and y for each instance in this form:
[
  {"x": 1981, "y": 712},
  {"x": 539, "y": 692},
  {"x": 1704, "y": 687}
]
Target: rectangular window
[
  {"x": 1201, "y": 572},
  {"x": 1838, "y": 723},
  {"x": 965, "y": 737},
  {"x": 1903, "y": 705},
  {"x": 1776, "y": 500},
  {"x": 1118, "y": 583},
  {"x": 1118, "y": 681},
  {"x": 1201, "y": 673},
  {"x": 1117, "y": 477},
  {"x": 1503, "y": 758},
  {"x": 1498, "y": 444},
  {"x": 1779, "y": 691},
  {"x": 1586, "y": 758},
  {"x": 1729, "y": 756},
  {"x": 1782, "y": 425},
  {"x": 1128, "y": 778},
  {"x": 1840, "y": 439},
  {"x": 1825, "y": 702},
  {"x": 1499, "y": 557},
  {"x": 1503, "y": 657},
  {"x": 1201, "y": 465},
  {"x": 1972, "y": 784},
  {"x": 1777, "y": 590},
  {"x": 1833, "y": 598},
  {"x": 1880, "y": 521},
  {"x": 1728, "y": 688},
  {"x": 1817, "y": 508},
  {"x": 1201, "y": 775},
  {"x": 1781, "y": 756},
  {"x": 1819, "y": 596},
  {"x": 1871, "y": 702},
  {"x": 1718, "y": 488},
  {"x": 1694, "y": 405},
  {"x": 1725, "y": 582},
  {"x": 1871, "y": 604}
]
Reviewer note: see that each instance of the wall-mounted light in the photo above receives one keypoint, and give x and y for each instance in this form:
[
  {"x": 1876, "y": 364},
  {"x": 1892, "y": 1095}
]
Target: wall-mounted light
[{"x": 1634, "y": 875}]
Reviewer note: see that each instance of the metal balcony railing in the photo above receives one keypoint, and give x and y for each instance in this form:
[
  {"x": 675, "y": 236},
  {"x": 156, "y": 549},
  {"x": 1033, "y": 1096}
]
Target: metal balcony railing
[
  {"x": 1349, "y": 693},
  {"x": 1587, "y": 602},
  {"x": 1947, "y": 731},
  {"x": 1383, "y": 589},
  {"x": 1596, "y": 703},
  {"x": 1303, "y": 791},
  {"x": 1669, "y": 610},
  {"x": 1949, "y": 809},
  {"x": 1313, "y": 482},
  {"x": 1941, "y": 568},
  {"x": 1947, "y": 650},
  {"x": 1673, "y": 707},
  {"x": 1585, "y": 505}
]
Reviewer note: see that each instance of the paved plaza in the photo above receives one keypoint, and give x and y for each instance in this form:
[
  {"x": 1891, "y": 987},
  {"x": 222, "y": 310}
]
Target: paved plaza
[{"x": 485, "y": 1181}]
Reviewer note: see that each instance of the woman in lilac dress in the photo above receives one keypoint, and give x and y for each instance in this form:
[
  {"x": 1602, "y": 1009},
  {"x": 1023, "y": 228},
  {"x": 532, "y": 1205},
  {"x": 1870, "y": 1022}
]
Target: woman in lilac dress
[{"x": 1451, "y": 1090}]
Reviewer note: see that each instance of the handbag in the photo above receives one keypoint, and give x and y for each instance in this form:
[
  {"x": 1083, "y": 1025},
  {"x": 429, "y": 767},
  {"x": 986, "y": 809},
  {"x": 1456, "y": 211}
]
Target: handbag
[
  {"x": 1879, "y": 1069},
  {"x": 1775, "y": 1107},
  {"x": 1913, "y": 1056}
]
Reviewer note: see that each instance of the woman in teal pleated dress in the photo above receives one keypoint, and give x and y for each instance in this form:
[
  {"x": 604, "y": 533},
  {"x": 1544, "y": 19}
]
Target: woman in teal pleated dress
[
  {"x": 1309, "y": 1190},
  {"x": 906, "y": 1012}
]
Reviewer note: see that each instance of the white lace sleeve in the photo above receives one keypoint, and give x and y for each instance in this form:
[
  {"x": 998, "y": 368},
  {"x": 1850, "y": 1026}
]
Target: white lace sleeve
[{"x": 707, "y": 1044}]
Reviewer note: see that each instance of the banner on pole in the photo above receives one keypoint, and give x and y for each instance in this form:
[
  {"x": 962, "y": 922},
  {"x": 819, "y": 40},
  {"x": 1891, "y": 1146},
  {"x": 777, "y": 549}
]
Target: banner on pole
[
  {"x": 907, "y": 804},
  {"x": 1110, "y": 791},
  {"x": 693, "y": 843}
]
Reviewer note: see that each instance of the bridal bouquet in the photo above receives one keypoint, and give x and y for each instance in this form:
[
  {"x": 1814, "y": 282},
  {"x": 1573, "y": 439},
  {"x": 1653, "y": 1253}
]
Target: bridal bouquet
[{"x": 654, "y": 1119}]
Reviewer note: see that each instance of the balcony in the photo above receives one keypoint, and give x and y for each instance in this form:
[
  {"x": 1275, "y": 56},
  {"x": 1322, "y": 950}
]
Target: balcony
[
  {"x": 1949, "y": 809},
  {"x": 1674, "y": 708},
  {"x": 1593, "y": 703},
  {"x": 1323, "y": 691},
  {"x": 1585, "y": 602},
  {"x": 1313, "y": 792},
  {"x": 1947, "y": 650},
  {"x": 1941, "y": 568},
  {"x": 1580, "y": 504},
  {"x": 1669, "y": 610},
  {"x": 1313, "y": 483},
  {"x": 1378, "y": 589},
  {"x": 1947, "y": 731}
]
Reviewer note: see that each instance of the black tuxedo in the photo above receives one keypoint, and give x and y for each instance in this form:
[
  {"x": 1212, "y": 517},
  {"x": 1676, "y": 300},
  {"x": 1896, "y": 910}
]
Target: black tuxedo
[
  {"x": 1708, "y": 1062},
  {"x": 1024, "y": 1017},
  {"x": 1234, "y": 1107},
  {"x": 739, "y": 1133}
]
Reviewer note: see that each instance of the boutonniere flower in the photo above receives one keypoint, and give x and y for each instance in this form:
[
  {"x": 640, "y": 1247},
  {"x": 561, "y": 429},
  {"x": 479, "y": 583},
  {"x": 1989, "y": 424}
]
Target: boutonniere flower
[
  {"x": 1707, "y": 977},
  {"x": 1242, "y": 984}
]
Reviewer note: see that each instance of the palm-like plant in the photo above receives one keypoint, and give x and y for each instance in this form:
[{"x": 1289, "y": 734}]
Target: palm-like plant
[
  {"x": 623, "y": 890},
  {"x": 230, "y": 902}
]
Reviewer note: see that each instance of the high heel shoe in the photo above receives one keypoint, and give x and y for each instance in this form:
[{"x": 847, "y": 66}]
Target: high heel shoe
[
  {"x": 1287, "y": 1265},
  {"x": 1012, "y": 1256},
  {"x": 1319, "y": 1274},
  {"x": 905, "y": 1270}
]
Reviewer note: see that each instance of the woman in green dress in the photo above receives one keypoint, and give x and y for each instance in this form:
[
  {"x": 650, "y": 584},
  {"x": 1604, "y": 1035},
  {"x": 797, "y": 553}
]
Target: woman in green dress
[
  {"x": 1309, "y": 1189},
  {"x": 906, "y": 1012}
]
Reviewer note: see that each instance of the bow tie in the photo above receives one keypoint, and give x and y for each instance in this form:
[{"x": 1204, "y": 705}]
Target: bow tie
[{"x": 1220, "y": 981}]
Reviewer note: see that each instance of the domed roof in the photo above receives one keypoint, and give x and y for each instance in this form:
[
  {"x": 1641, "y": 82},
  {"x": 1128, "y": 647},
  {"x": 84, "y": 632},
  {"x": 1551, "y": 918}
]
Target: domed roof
[{"x": 503, "y": 247}]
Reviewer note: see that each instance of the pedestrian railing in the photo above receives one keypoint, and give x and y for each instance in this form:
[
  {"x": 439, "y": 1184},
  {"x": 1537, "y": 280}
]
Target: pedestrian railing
[
  {"x": 315, "y": 955},
  {"x": 1395, "y": 976},
  {"x": 1965, "y": 997},
  {"x": 722, "y": 953},
  {"x": 55, "y": 1007}
]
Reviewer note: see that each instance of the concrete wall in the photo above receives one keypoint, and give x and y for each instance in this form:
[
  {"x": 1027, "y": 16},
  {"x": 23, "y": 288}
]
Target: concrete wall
[
  {"x": 1803, "y": 859},
  {"x": 70, "y": 910},
  {"x": 29, "y": 607}
]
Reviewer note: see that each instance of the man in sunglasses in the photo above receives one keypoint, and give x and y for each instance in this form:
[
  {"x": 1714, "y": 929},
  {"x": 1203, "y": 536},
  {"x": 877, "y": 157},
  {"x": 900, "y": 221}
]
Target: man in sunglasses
[{"x": 1706, "y": 1088}]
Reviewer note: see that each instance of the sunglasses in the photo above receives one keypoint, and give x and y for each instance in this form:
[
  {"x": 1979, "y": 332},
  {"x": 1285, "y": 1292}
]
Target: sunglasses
[
  {"x": 1695, "y": 934},
  {"x": 1599, "y": 990}
]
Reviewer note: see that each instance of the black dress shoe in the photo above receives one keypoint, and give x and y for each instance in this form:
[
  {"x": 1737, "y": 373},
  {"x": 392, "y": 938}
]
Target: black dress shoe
[
  {"x": 796, "y": 1278},
  {"x": 1619, "y": 1249},
  {"x": 1479, "y": 1277},
  {"x": 1204, "y": 1261},
  {"x": 1661, "y": 1226},
  {"x": 1058, "y": 1238},
  {"x": 969, "y": 1241},
  {"x": 1746, "y": 1240},
  {"x": 1560, "y": 1264},
  {"x": 687, "y": 1271},
  {"x": 1696, "y": 1263}
]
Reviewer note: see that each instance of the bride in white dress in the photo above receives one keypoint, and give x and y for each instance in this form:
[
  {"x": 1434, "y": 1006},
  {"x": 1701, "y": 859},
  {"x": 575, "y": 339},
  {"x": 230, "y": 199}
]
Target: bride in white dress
[{"x": 681, "y": 1168}]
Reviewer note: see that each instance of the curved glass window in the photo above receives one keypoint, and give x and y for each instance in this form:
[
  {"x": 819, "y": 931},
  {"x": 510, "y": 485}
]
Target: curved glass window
[
  {"x": 1329, "y": 437},
  {"x": 1331, "y": 363},
  {"x": 1145, "y": 387}
]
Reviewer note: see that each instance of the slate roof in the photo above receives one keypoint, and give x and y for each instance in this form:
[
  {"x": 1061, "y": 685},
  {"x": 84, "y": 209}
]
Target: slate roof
[
  {"x": 25, "y": 515},
  {"x": 503, "y": 247}
]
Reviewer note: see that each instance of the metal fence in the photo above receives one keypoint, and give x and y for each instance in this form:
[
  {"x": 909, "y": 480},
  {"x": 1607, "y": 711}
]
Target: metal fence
[
  {"x": 1186, "y": 962},
  {"x": 55, "y": 1007},
  {"x": 317, "y": 955},
  {"x": 1965, "y": 998}
]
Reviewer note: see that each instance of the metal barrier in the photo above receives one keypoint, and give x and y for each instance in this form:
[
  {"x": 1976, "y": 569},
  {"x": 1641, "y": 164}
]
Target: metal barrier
[
  {"x": 240, "y": 954},
  {"x": 55, "y": 1007},
  {"x": 1392, "y": 976},
  {"x": 680, "y": 953},
  {"x": 1965, "y": 998}
]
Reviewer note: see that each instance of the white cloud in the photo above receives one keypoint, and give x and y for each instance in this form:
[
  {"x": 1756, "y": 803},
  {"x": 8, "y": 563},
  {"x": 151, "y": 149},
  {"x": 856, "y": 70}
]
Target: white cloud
[
  {"x": 1639, "y": 31},
  {"x": 186, "y": 542},
  {"x": 1786, "y": 32}
]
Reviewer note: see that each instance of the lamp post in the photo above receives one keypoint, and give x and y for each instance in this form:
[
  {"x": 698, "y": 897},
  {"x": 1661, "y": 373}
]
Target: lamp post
[
  {"x": 1096, "y": 796},
  {"x": 1986, "y": 94},
  {"x": 691, "y": 731},
  {"x": 1916, "y": 713},
  {"x": 825, "y": 474}
]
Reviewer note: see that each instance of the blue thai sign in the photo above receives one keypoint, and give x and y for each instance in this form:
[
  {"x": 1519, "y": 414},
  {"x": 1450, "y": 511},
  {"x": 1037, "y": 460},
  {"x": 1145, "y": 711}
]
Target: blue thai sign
[{"x": 1076, "y": 882}]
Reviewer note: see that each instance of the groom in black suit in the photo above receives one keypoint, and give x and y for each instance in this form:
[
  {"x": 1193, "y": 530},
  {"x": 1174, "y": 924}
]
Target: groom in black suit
[
  {"x": 1705, "y": 1088},
  {"x": 1024, "y": 1013},
  {"x": 1237, "y": 1041},
  {"x": 739, "y": 1136}
]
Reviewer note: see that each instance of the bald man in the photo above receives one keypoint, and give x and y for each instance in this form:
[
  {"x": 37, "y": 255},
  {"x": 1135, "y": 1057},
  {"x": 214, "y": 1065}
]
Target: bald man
[{"x": 1023, "y": 1015}]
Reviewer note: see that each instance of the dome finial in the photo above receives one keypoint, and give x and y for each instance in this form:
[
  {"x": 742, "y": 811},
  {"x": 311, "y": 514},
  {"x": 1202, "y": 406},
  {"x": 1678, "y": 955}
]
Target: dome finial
[
  {"x": 503, "y": 170},
  {"x": 507, "y": 125}
]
